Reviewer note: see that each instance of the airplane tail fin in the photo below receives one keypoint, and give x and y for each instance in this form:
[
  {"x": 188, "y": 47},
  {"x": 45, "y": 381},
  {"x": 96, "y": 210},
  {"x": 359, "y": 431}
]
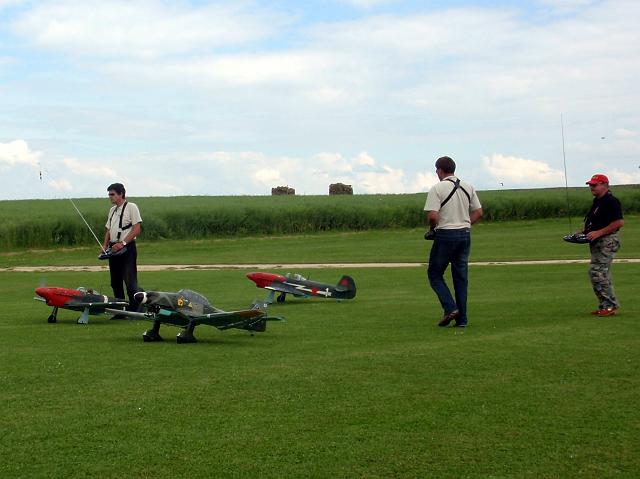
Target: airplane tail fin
[
  {"x": 346, "y": 288},
  {"x": 259, "y": 323}
]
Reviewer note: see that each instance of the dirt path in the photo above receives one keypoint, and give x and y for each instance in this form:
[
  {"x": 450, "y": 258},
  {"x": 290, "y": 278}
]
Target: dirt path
[{"x": 289, "y": 266}]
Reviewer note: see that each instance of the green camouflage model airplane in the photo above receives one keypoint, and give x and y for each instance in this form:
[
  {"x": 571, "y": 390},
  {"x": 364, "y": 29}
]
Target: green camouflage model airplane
[{"x": 187, "y": 309}]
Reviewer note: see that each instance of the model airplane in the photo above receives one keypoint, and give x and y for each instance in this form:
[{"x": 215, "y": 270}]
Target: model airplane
[
  {"x": 81, "y": 299},
  {"x": 187, "y": 309},
  {"x": 299, "y": 286}
]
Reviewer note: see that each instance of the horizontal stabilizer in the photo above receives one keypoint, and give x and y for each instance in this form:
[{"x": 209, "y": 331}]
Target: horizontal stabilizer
[{"x": 131, "y": 314}]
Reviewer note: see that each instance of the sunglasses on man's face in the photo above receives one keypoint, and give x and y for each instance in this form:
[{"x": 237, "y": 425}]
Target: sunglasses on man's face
[{"x": 112, "y": 194}]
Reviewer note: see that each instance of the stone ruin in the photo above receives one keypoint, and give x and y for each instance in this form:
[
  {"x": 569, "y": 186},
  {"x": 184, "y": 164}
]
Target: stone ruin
[
  {"x": 282, "y": 190},
  {"x": 340, "y": 189}
]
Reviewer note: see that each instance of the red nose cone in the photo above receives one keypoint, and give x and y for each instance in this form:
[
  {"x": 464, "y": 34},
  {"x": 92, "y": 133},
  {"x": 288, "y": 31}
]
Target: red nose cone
[
  {"x": 263, "y": 280},
  {"x": 57, "y": 296}
]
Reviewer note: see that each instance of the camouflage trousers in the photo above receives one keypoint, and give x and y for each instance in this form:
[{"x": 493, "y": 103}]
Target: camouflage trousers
[{"x": 603, "y": 250}]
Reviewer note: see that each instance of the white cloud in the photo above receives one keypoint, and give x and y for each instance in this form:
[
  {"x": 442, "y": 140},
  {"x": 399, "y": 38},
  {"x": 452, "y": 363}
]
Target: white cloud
[
  {"x": 624, "y": 134},
  {"x": 86, "y": 168},
  {"x": 144, "y": 29},
  {"x": 314, "y": 174},
  {"x": 17, "y": 152},
  {"x": 423, "y": 182},
  {"x": 332, "y": 164},
  {"x": 139, "y": 79},
  {"x": 61, "y": 185},
  {"x": 619, "y": 177},
  {"x": 268, "y": 177},
  {"x": 515, "y": 171},
  {"x": 264, "y": 68},
  {"x": 364, "y": 159},
  {"x": 10, "y": 3},
  {"x": 368, "y": 3},
  {"x": 566, "y": 6},
  {"x": 152, "y": 186},
  {"x": 388, "y": 180}
]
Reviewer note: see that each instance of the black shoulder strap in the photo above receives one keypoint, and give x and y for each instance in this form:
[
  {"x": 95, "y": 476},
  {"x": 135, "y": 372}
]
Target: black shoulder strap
[
  {"x": 121, "y": 229},
  {"x": 121, "y": 215},
  {"x": 455, "y": 188}
]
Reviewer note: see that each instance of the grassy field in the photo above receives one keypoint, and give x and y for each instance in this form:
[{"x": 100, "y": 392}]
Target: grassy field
[
  {"x": 492, "y": 241},
  {"x": 54, "y": 223},
  {"x": 534, "y": 388}
]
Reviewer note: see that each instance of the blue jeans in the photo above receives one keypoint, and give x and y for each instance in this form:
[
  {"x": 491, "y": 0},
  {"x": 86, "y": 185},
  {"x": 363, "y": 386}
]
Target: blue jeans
[{"x": 451, "y": 246}]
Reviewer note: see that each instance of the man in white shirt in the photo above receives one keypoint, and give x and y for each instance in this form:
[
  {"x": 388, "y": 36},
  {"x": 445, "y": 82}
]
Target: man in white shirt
[
  {"x": 121, "y": 230},
  {"x": 452, "y": 207}
]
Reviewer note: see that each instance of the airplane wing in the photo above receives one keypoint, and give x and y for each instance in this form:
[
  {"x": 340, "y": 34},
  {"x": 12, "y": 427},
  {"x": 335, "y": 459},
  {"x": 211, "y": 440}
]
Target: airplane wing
[
  {"x": 95, "y": 304},
  {"x": 164, "y": 316},
  {"x": 231, "y": 319},
  {"x": 294, "y": 289}
]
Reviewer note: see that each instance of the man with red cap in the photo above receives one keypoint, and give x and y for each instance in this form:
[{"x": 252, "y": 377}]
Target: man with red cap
[{"x": 601, "y": 226}]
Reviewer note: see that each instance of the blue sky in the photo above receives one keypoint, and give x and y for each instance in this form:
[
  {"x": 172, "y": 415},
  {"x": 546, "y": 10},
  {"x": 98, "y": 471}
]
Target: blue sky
[{"x": 221, "y": 98}]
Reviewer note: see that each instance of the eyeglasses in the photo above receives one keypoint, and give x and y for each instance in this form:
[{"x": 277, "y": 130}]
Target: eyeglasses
[{"x": 112, "y": 194}]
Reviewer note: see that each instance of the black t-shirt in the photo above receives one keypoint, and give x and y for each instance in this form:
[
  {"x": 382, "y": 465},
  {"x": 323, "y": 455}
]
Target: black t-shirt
[{"x": 603, "y": 212}]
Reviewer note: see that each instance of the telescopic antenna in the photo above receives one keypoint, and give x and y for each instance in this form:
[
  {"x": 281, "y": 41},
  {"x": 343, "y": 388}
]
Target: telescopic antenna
[
  {"x": 566, "y": 180},
  {"x": 85, "y": 222},
  {"x": 40, "y": 168}
]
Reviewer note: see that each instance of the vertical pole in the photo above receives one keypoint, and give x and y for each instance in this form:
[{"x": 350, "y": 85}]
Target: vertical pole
[{"x": 566, "y": 179}]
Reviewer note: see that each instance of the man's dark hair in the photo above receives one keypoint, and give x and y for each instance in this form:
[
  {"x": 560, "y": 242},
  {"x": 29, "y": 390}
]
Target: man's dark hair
[
  {"x": 446, "y": 164},
  {"x": 118, "y": 188}
]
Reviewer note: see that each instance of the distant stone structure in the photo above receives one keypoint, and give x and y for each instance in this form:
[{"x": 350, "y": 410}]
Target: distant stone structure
[
  {"x": 340, "y": 189},
  {"x": 282, "y": 190}
]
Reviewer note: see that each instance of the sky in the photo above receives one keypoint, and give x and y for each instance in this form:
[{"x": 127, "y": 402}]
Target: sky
[{"x": 198, "y": 97}]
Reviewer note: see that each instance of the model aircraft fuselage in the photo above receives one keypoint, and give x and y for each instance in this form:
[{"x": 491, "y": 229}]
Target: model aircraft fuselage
[
  {"x": 299, "y": 286},
  {"x": 85, "y": 300},
  {"x": 188, "y": 309}
]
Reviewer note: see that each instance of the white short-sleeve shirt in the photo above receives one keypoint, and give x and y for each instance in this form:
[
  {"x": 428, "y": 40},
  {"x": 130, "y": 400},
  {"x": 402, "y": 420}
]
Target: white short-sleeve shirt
[
  {"x": 455, "y": 214},
  {"x": 131, "y": 217}
]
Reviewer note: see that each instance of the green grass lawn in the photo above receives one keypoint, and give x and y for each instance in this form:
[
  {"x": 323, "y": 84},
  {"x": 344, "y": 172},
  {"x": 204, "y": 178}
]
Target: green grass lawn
[
  {"x": 492, "y": 241},
  {"x": 535, "y": 387}
]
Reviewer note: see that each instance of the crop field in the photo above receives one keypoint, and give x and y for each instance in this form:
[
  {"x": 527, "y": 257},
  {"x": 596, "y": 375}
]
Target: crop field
[
  {"x": 534, "y": 387},
  {"x": 492, "y": 241},
  {"x": 54, "y": 223}
]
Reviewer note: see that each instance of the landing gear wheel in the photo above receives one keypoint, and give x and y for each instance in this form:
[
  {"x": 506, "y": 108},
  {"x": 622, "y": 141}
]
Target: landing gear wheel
[
  {"x": 151, "y": 336},
  {"x": 53, "y": 317},
  {"x": 185, "y": 337},
  {"x": 281, "y": 297}
]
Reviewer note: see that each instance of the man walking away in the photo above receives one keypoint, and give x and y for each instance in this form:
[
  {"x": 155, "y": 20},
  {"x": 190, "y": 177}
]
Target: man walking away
[{"x": 452, "y": 207}]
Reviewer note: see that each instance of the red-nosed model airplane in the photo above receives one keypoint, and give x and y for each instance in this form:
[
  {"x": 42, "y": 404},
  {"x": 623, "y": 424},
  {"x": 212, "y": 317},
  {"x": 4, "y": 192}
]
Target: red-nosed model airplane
[
  {"x": 81, "y": 299},
  {"x": 299, "y": 286}
]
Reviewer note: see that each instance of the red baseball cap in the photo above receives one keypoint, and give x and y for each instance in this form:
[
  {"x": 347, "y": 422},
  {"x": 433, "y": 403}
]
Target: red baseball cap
[{"x": 595, "y": 179}]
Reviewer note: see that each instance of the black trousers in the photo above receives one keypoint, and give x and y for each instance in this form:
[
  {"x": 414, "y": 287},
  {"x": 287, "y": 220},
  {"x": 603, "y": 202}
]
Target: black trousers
[{"x": 124, "y": 269}]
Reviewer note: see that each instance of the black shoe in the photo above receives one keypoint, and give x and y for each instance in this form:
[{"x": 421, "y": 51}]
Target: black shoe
[
  {"x": 449, "y": 317},
  {"x": 460, "y": 324}
]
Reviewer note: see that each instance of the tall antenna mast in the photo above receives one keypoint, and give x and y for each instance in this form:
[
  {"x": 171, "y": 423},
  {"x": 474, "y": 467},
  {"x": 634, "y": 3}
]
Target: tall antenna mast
[{"x": 566, "y": 179}]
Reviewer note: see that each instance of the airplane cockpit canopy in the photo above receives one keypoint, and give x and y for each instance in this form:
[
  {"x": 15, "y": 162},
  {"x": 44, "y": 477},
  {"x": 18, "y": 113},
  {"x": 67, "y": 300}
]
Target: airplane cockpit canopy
[
  {"x": 194, "y": 297},
  {"x": 296, "y": 276}
]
